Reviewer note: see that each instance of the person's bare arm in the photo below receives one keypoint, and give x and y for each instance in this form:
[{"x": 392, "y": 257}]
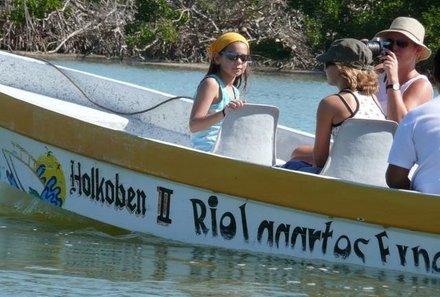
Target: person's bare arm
[
  {"x": 324, "y": 120},
  {"x": 397, "y": 177},
  {"x": 206, "y": 95},
  {"x": 303, "y": 153},
  {"x": 398, "y": 106}
]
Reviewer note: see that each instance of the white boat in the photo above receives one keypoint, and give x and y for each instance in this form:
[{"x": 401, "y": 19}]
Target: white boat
[{"x": 61, "y": 144}]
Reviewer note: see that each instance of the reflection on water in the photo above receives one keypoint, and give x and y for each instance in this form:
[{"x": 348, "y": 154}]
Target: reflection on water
[{"x": 54, "y": 258}]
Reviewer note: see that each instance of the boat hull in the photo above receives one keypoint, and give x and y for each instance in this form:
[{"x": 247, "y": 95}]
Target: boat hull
[{"x": 145, "y": 203}]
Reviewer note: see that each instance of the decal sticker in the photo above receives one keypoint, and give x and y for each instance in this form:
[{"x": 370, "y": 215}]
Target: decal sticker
[{"x": 40, "y": 177}]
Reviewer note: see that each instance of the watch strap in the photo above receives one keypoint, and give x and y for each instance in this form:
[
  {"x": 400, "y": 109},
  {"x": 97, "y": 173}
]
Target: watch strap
[{"x": 395, "y": 87}]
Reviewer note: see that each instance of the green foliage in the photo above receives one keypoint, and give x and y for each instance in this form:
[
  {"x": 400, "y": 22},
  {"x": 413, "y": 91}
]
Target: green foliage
[
  {"x": 159, "y": 22},
  {"x": 326, "y": 20},
  {"x": 150, "y": 11},
  {"x": 314, "y": 31},
  {"x": 167, "y": 31},
  {"x": 270, "y": 49},
  {"x": 431, "y": 17},
  {"x": 208, "y": 6},
  {"x": 141, "y": 38},
  {"x": 37, "y": 9},
  {"x": 155, "y": 19}
]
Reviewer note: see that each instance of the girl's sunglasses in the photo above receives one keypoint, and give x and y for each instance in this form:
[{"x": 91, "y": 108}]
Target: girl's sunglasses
[
  {"x": 234, "y": 56},
  {"x": 328, "y": 64},
  {"x": 398, "y": 42}
]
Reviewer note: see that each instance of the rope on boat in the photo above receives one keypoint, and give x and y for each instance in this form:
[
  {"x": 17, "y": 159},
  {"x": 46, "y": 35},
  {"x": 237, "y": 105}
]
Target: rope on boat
[{"x": 107, "y": 108}]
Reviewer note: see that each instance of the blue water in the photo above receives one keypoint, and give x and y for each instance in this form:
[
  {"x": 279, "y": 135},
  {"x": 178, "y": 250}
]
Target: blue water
[{"x": 42, "y": 255}]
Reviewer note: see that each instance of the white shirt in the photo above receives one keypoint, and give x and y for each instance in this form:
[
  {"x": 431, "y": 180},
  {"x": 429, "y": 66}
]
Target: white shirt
[{"x": 417, "y": 141}]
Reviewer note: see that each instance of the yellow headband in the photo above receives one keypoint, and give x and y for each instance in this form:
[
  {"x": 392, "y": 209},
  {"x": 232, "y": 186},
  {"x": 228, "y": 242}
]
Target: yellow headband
[{"x": 225, "y": 40}]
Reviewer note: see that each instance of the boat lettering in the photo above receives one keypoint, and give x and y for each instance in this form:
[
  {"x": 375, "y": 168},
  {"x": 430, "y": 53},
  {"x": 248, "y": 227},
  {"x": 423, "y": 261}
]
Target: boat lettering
[
  {"x": 163, "y": 201},
  {"x": 227, "y": 222},
  {"x": 420, "y": 255},
  {"x": 304, "y": 233},
  {"x": 107, "y": 191},
  {"x": 342, "y": 248},
  {"x": 208, "y": 221}
]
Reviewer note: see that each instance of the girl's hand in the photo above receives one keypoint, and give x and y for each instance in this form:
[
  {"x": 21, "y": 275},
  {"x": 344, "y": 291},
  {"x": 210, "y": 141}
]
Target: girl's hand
[{"x": 234, "y": 104}]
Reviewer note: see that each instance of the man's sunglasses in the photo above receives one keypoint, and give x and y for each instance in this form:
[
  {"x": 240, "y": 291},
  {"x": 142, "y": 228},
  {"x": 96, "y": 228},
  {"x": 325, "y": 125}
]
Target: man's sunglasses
[
  {"x": 234, "y": 56},
  {"x": 400, "y": 43}
]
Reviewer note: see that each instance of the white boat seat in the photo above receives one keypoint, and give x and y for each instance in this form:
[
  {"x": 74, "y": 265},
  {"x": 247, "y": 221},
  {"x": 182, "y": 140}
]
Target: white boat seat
[
  {"x": 360, "y": 151},
  {"x": 249, "y": 134}
]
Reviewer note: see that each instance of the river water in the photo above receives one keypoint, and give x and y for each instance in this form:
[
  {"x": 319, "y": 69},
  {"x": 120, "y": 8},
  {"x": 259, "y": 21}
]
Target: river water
[{"x": 46, "y": 253}]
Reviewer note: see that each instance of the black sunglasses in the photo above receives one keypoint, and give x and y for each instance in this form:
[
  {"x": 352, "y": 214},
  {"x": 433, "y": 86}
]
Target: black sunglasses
[
  {"x": 234, "y": 56},
  {"x": 328, "y": 64},
  {"x": 400, "y": 43}
]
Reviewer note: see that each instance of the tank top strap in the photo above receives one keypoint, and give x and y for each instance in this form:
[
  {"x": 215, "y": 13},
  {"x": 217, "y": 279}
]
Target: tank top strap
[
  {"x": 352, "y": 113},
  {"x": 222, "y": 86},
  {"x": 376, "y": 102}
]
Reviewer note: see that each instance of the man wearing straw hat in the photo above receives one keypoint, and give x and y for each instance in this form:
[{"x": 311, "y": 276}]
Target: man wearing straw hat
[{"x": 401, "y": 87}]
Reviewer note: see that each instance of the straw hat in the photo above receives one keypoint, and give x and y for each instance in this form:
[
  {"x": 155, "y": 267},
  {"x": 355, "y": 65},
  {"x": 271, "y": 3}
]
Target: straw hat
[{"x": 412, "y": 29}]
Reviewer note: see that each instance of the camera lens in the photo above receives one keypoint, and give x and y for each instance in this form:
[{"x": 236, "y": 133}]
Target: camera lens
[
  {"x": 378, "y": 46},
  {"x": 375, "y": 47}
]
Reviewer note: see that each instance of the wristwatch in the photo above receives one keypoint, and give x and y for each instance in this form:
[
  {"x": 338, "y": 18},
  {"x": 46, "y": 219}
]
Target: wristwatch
[{"x": 395, "y": 87}]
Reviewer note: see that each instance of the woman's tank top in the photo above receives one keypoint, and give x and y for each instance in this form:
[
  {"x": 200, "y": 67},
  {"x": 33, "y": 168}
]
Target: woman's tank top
[
  {"x": 366, "y": 108},
  {"x": 382, "y": 93}
]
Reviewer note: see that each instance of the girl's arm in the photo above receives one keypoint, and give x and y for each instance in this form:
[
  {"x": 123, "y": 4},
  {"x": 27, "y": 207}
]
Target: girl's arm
[
  {"x": 303, "y": 153},
  {"x": 317, "y": 154},
  {"x": 207, "y": 94},
  {"x": 324, "y": 120}
]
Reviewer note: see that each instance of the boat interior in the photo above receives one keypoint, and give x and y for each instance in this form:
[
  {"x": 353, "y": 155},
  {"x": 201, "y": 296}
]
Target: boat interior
[
  {"x": 156, "y": 115},
  {"x": 115, "y": 104}
]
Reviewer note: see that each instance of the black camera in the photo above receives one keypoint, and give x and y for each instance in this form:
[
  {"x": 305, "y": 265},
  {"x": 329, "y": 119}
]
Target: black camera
[{"x": 378, "y": 46}]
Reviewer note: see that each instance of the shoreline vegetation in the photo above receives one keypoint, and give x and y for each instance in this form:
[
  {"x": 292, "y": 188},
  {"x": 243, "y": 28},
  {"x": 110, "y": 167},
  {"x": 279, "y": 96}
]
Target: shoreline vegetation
[{"x": 285, "y": 35}]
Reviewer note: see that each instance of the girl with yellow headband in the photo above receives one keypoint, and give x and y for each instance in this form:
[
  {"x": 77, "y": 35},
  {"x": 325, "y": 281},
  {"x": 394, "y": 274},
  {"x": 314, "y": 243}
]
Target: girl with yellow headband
[{"x": 218, "y": 94}]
